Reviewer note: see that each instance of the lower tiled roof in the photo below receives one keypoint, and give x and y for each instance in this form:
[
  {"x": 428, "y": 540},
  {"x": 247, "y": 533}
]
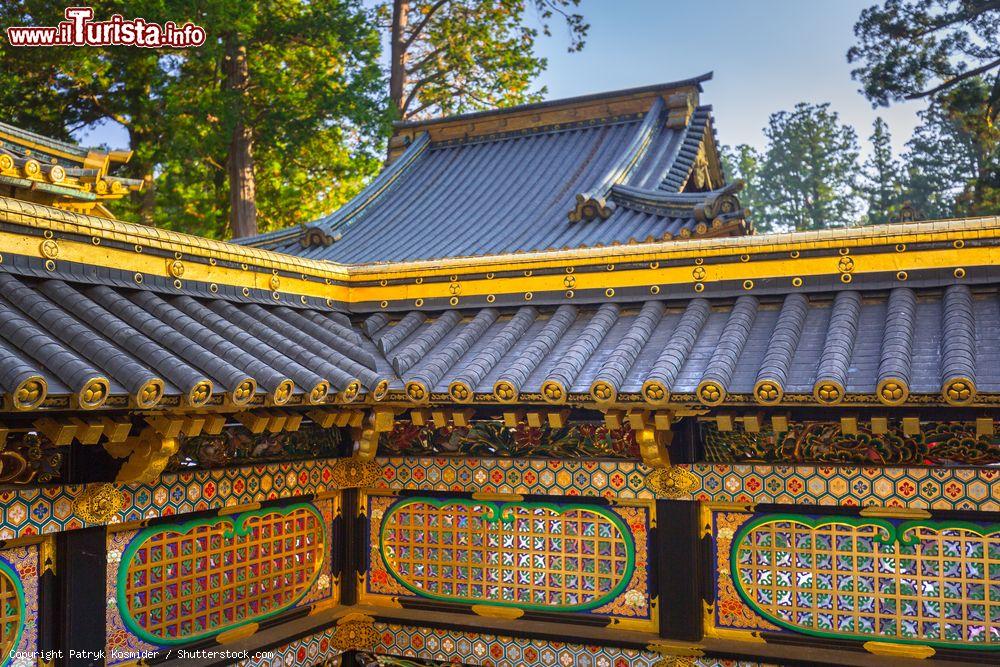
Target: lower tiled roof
[
  {"x": 88, "y": 346},
  {"x": 847, "y": 346}
]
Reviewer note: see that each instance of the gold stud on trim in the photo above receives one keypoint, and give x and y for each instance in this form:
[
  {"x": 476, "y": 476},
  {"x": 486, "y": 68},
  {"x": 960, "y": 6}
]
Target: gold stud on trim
[
  {"x": 611, "y": 267},
  {"x": 610, "y": 292},
  {"x": 959, "y": 243},
  {"x": 900, "y": 247},
  {"x": 959, "y": 273},
  {"x": 490, "y": 275},
  {"x": 699, "y": 261},
  {"x": 384, "y": 304},
  {"x": 570, "y": 294},
  {"x": 796, "y": 282},
  {"x": 453, "y": 300},
  {"x": 96, "y": 240},
  {"x": 383, "y": 282},
  {"x": 416, "y": 391},
  {"x": 603, "y": 391},
  {"x": 418, "y": 280},
  {"x": 828, "y": 392},
  {"x": 748, "y": 284},
  {"x": 902, "y": 275},
  {"x": 213, "y": 288},
  {"x": 178, "y": 284},
  {"x": 505, "y": 391},
  {"x": 654, "y": 289},
  {"x": 655, "y": 392},
  {"x": 137, "y": 278},
  {"x": 150, "y": 394},
  {"x": 30, "y": 393},
  {"x": 699, "y": 287},
  {"x": 570, "y": 269},
  {"x": 381, "y": 389},
  {"x": 892, "y": 391},
  {"x": 138, "y": 248},
  {"x": 710, "y": 392},
  {"x": 460, "y": 392},
  {"x": 490, "y": 298},
  {"x": 959, "y": 391},
  {"x": 744, "y": 258},
  {"x": 553, "y": 392},
  {"x": 845, "y": 251},
  {"x": 528, "y": 296},
  {"x": 846, "y": 277},
  {"x": 654, "y": 265},
  {"x": 50, "y": 265},
  {"x": 528, "y": 273},
  {"x": 246, "y": 291},
  {"x": 794, "y": 254},
  {"x": 768, "y": 392},
  {"x": 94, "y": 393},
  {"x": 418, "y": 303},
  {"x": 200, "y": 394}
]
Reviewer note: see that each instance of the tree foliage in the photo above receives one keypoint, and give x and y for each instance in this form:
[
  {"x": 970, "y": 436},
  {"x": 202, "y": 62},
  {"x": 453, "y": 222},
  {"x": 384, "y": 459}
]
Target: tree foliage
[
  {"x": 952, "y": 161},
  {"x": 452, "y": 56},
  {"x": 807, "y": 177},
  {"x": 882, "y": 182},
  {"x": 743, "y": 162},
  {"x": 949, "y": 51},
  {"x": 914, "y": 48},
  {"x": 314, "y": 104}
]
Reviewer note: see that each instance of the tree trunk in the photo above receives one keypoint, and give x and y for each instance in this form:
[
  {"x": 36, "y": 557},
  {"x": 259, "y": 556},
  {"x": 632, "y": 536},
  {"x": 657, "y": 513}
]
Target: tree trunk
[
  {"x": 147, "y": 205},
  {"x": 242, "y": 187},
  {"x": 397, "y": 58}
]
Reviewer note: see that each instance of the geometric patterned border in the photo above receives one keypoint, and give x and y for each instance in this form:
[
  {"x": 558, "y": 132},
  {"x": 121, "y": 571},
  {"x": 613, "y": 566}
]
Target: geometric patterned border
[
  {"x": 50, "y": 509},
  {"x": 950, "y": 488},
  {"x": 473, "y": 648},
  {"x": 312, "y": 649}
]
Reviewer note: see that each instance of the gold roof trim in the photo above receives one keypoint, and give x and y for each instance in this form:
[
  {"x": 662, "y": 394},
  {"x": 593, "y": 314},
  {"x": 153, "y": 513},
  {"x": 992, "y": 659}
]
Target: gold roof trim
[
  {"x": 37, "y": 216},
  {"x": 734, "y": 246}
]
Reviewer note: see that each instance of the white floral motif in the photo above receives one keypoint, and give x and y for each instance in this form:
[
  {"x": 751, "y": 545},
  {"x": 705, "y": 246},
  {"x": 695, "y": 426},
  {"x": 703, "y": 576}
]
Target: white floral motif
[
  {"x": 634, "y": 598},
  {"x": 114, "y": 556}
]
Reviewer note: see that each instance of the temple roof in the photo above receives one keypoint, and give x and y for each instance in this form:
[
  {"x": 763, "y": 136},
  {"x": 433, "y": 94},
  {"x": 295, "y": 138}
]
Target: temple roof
[
  {"x": 619, "y": 168},
  {"x": 880, "y": 347},
  {"x": 48, "y": 171}
]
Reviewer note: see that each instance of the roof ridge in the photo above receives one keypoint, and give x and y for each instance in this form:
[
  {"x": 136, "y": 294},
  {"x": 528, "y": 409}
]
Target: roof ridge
[{"x": 532, "y": 106}]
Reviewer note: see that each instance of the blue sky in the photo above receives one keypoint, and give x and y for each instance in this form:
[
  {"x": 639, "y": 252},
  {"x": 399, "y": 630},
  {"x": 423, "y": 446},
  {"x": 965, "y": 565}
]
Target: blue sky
[{"x": 767, "y": 55}]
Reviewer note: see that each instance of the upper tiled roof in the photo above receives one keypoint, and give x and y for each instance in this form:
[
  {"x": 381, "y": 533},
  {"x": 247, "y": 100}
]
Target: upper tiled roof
[
  {"x": 618, "y": 168},
  {"x": 49, "y": 171}
]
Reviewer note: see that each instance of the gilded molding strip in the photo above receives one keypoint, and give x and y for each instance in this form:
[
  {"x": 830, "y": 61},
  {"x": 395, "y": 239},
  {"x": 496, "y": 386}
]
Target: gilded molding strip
[
  {"x": 734, "y": 260},
  {"x": 53, "y": 509},
  {"x": 914, "y": 487},
  {"x": 474, "y": 648},
  {"x": 50, "y": 509}
]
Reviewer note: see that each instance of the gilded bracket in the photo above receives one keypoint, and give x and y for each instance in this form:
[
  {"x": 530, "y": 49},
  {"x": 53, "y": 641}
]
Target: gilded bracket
[
  {"x": 352, "y": 473},
  {"x": 99, "y": 503},
  {"x": 653, "y": 446},
  {"x": 355, "y": 632},
  {"x": 671, "y": 482},
  {"x": 147, "y": 455}
]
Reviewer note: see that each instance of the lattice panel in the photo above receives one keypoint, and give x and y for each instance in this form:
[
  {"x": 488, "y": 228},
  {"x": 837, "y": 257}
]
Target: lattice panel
[
  {"x": 564, "y": 558},
  {"x": 927, "y": 582},
  {"x": 11, "y": 610},
  {"x": 181, "y": 583}
]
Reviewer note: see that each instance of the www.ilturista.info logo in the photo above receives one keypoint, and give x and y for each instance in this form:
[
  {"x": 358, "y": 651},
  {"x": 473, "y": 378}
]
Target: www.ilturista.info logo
[{"x": 79, "y": 29}]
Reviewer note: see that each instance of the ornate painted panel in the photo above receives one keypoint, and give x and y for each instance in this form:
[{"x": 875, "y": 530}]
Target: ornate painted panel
[
  {"x": 558, "y": 556},
  {"x": 937, "y": 443},
  {"x": 927, "y": 582},
  {"x": 480, "y": 648},
  {"x": 20, "y": 570},
  {"x": 175, "y": 583}
]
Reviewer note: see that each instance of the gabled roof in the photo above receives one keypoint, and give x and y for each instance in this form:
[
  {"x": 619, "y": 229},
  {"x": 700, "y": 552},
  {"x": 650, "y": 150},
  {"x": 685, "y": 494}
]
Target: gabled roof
[
  {"x": 105, "y": 314},
  {"x": 48, "y": 171},
  {"x": 625, "y": 167}
]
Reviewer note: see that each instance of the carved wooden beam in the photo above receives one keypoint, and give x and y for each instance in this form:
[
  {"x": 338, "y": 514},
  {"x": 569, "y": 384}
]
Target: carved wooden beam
[{"x": 147, "y": 455}]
